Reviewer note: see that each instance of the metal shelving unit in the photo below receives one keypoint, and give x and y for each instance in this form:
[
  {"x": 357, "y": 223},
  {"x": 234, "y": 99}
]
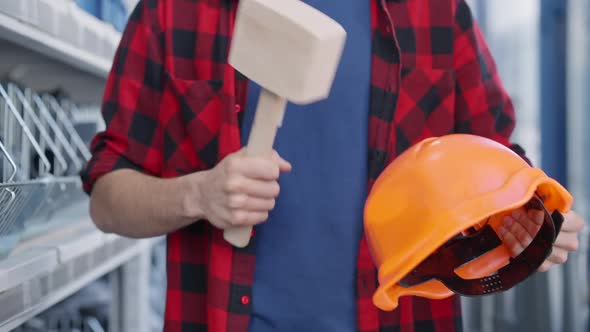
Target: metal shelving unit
[
  {"x": 40, "y": 43},
  {"x": 47, "y": 45},
  {"x": 53, "y": 251},
  {"x": 44, "y": 271},
  {"x": 49, "y": 247}
]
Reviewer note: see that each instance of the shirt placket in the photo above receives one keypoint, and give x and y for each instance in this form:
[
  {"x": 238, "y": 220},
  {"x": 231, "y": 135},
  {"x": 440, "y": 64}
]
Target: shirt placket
[
  {"x": 368, "y": 315},
  {"x": 389, "y": 26}
]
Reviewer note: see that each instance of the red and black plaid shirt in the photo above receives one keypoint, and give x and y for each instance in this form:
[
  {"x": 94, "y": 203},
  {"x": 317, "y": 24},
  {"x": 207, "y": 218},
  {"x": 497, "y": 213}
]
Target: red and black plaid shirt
[{"x": 172, "y": 106}]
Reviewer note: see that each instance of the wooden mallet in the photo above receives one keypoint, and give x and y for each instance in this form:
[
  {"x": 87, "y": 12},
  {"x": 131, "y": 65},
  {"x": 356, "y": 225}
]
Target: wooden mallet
[{"x": 292, "y": 51}]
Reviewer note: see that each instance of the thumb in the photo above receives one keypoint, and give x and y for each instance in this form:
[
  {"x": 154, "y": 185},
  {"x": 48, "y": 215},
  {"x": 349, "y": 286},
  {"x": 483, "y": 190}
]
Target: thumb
[{"x": 284, "y": 166}]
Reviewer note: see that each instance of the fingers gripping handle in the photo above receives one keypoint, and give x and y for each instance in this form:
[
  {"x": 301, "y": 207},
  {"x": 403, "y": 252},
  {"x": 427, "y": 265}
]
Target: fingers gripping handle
[{"x": 268, "y": 118}]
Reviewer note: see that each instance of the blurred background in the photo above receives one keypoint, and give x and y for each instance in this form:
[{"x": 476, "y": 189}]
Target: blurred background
[
  {"x": 58, "y": 273},
  {"x": 542, "y": 49}
]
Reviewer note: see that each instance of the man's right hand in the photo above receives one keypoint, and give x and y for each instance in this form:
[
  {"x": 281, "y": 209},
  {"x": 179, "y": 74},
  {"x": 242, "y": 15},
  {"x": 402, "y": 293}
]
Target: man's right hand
[{"x": 240, "y": 190}]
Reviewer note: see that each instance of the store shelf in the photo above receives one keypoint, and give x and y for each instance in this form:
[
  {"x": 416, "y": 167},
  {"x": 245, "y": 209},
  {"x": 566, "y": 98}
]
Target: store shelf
[
  {"x": 45, "y": 270},
  {"x": 75, "y": 60},
  {"x": 47, "y": 45}
]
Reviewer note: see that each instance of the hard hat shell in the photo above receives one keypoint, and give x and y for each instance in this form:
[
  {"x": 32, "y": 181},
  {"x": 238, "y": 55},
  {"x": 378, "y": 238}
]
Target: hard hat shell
[{"x": 436, "y": 190}]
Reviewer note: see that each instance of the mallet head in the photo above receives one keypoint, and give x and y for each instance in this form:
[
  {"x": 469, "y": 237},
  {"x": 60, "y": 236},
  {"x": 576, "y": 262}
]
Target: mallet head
[{"x": 287, "y": 47}]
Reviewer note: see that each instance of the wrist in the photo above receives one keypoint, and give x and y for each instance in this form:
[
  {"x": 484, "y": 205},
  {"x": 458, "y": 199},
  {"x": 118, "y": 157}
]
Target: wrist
[{"x": 191, "y": 191}]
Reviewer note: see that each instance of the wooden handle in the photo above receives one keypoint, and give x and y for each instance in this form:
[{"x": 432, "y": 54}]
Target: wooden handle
[{"x": 267, "y": 119}]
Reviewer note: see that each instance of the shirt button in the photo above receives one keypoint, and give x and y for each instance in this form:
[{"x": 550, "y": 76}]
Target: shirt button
[
  {"x": 238, "y": 108},
  {"x": 245, "y": 300}
]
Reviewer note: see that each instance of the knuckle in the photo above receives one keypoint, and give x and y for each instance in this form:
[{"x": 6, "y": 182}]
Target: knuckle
[
  {"x": 233, "y": 163},
  {"x": 272, "y": 170},
  {"x": 263, "y": 217},
  {"x": 545, "y": 267},
  {"x": 527, "y": 240},
  {"x": 275, "y": 189},
  {"x": 276, "y": 172},
  {"x": 237, "y": 201},
  {"x": 515, "y": 250},
  {"x": 233, "y": 184},
  {"x": 573, "y": 246},
  {"x": 238, "y": 218},
  {"x": 522, "y": 237},
  {"x": 226, "y": 223},
  {"x": 561, "y": 258},
  {"x": 231, "y": 220}
]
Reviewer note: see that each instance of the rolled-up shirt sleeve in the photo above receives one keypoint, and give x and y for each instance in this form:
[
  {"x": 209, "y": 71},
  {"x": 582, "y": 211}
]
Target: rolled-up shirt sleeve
[{"x": 131, "y": 104}]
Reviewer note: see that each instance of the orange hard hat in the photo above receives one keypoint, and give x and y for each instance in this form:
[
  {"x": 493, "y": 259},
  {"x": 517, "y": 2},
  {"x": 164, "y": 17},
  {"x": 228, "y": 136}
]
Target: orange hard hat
[{"x": 432, "y": 217}]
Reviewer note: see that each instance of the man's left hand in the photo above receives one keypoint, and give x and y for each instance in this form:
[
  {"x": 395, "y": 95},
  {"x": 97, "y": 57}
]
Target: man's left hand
[{"x": 520, "y": 228}]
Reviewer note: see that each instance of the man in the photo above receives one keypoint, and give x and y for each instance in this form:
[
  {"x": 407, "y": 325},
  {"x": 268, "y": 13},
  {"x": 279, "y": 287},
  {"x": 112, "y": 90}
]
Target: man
[{"x": 170, "y": 161}]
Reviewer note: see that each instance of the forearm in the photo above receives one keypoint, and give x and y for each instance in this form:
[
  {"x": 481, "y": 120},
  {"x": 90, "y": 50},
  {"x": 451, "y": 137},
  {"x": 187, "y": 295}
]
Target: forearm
[{"x": 132, "y": 204}]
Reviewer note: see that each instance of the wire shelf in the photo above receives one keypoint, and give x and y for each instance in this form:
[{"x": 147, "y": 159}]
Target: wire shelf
[
  {"x": 22, "y": 198},
  {"x": 41, "y": 154}
]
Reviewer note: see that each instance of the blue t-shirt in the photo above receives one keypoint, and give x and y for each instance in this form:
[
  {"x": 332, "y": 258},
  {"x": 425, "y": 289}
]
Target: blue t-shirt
[{"x": 306, "y": 252}]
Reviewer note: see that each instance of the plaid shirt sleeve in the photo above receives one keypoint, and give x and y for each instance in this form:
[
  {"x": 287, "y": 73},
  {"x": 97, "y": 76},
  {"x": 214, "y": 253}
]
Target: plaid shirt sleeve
[
  {"x": 483, "y": 107},
  {"x": 133, "y": 135}
]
